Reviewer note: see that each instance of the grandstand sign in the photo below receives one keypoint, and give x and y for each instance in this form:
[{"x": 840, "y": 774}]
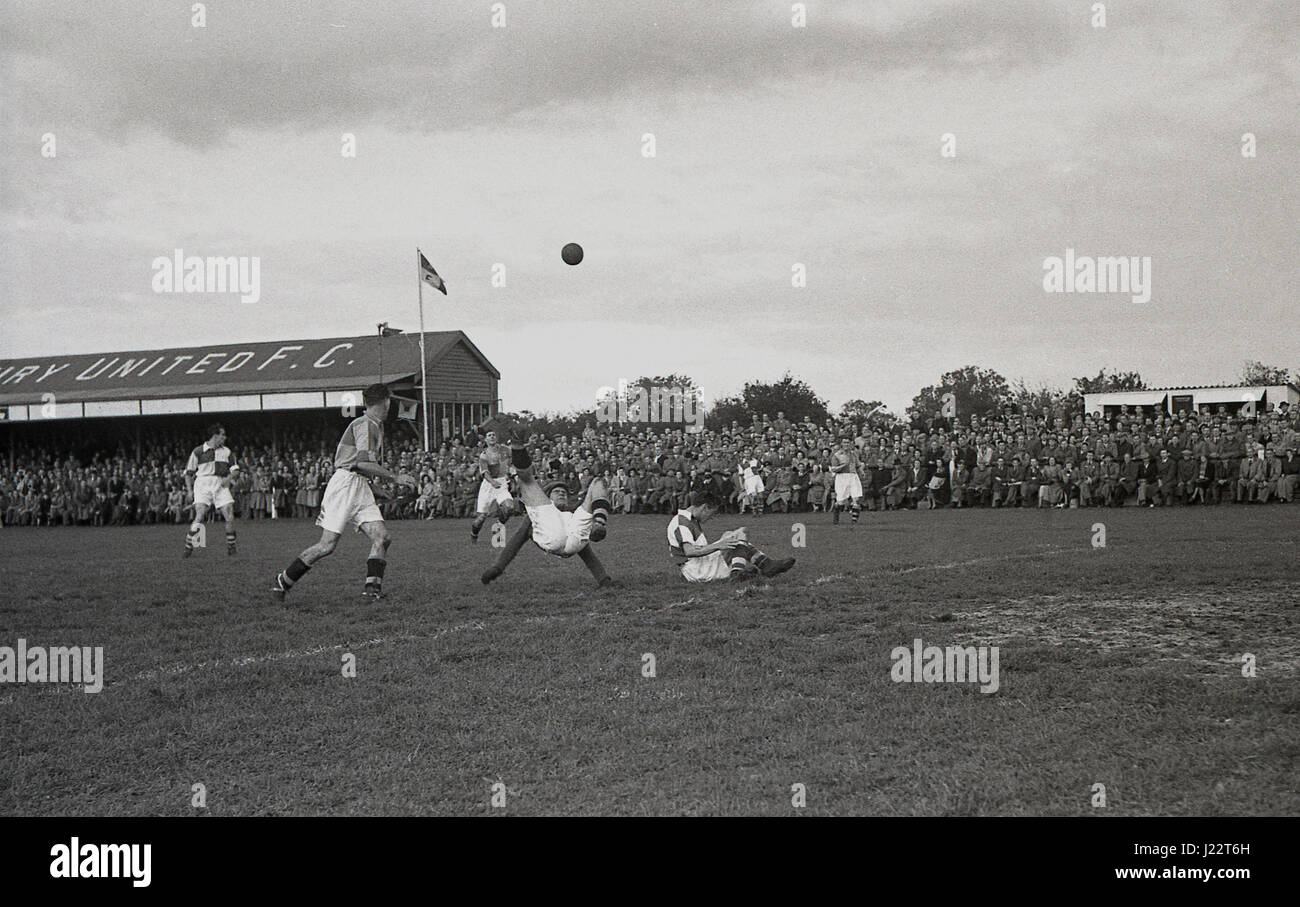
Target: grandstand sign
[
  {"x": 281, "y": 366},
  {"x": 265, "y": 364}
]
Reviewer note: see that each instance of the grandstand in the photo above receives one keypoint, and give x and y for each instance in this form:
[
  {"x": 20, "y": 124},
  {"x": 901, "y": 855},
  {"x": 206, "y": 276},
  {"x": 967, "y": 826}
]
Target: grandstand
[
  {"x": 268, "y": 385},
  {"x": 1228, "y": 398}
]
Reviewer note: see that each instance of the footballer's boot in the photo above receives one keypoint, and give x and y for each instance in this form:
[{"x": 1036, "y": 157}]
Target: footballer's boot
[
  {"x": 773, "y": 567},
  {"x": 278, "y": 590},
  {"x": 230, "y": 549},
  {"x": 372, "y": 592},
  {"x": 490, "y": 574},
  {"x": 473, "y": 533},
  {"x": 605, "y": 582},
  {"x": 835, "y": 516},
  {"x": 507, "y": 431},
  {"x": 189, "y": 552},
  {"x": 504, "y": 426}
]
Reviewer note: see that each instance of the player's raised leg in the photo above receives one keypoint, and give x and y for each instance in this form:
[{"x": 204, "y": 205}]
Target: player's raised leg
[{"x": 596, "y": 502}]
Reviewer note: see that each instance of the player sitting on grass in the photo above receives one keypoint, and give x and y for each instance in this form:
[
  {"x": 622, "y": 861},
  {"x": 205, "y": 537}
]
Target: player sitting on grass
[
  {"x": 559, "y": 494},
  {"x": 555, "y": 531},
  {"x": 349, "y": 499},
  {"x": 731, "y": 557},
  {"x": 494, "y": 491},
  {"x": 207, "y": 479}
]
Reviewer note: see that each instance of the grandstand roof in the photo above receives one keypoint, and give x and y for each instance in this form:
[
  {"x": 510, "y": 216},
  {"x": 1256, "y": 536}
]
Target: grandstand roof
[
  {"x": 1238, "y": 386},
  {"x": 335, "y": 363}
]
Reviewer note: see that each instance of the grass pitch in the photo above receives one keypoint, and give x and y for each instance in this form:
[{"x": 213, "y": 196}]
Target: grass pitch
[{"x": 1120, "y": 666}]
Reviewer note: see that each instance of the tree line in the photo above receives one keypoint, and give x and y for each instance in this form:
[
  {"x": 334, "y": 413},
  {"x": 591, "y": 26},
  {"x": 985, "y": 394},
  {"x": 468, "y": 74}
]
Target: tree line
[{"x": 974, "y": 390}]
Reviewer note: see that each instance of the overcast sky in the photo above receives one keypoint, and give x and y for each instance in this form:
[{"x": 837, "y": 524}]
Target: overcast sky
[{"x": 774, "y": 145}]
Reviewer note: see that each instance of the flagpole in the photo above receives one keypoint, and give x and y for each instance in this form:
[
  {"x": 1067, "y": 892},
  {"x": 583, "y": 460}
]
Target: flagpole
[{"x": 424, "y": 378}]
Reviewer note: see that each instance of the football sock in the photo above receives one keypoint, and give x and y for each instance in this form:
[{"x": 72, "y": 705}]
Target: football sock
[
  {"x": 295, "y": 572},
  {"x": 375, "y": 573},
  {"x": 192, "y": 535}
]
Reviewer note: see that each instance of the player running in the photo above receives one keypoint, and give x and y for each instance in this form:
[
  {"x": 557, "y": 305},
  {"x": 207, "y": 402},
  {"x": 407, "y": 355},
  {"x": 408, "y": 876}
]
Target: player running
[
  {"x": 207, "y": 482},
  {"x": 348, "y": 498},
  {"x": 731, "y": 557},
  {"x": 848, "y": 484},
  {"x": 555, "y": 531},
  {"x": 494, "y": 490}
]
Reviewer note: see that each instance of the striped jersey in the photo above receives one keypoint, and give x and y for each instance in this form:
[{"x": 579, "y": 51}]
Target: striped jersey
[
  {"x": 363, "y": 439},
  {"x": 850, "y": 464},
  {"x": 495, "y": 461},
  {"x": 684, "y": 528},
  {"x": 210, "y": 461}
]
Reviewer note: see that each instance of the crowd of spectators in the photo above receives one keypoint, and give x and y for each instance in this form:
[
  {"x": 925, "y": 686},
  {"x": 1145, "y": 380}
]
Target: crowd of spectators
[{"x": 1056, "y": 457}]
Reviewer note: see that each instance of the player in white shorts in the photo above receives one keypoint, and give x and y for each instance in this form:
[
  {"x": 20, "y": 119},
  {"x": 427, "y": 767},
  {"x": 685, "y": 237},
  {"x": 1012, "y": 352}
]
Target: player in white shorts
[
  {"x": 559, "y": 532},
  {"x": 494, "y": 491},
  {"x": 558, "y": 492},
  {"x": 753, "y": 486},
  {"x": 731, "y": 557},
  {"x": 848, "y": 484},
  {"x": 348, "y": 499},
  {"x": 207, "y": 480}
]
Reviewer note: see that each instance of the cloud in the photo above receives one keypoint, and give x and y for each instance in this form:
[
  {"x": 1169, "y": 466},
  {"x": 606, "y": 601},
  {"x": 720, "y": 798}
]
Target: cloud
[{"x": 138, "y": 67}]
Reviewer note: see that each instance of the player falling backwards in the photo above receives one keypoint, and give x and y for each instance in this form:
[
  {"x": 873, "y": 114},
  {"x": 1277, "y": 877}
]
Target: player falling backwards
[
  {"x": 558, "y": 492},
  {"x": 555, "y": 531},
  {"x": 731, "y": 557},
  {"x": 207, "y": 480},
  {"x": 348, "y": 498},
  {"x": 848, "y": 483},
  {"x": 494, "y": 491}
]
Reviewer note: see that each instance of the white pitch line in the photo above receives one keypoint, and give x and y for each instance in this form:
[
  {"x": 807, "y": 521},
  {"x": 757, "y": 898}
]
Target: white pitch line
[
  {"x": 985, "y": 560},
  {"x": 243, "y": 661}
]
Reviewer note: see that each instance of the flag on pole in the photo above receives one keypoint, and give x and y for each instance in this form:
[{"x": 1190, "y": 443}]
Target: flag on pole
[{"x": 429, "y": 275}]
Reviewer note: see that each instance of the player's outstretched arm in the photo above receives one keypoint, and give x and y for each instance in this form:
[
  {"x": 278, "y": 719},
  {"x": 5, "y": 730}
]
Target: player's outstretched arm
[
  {"x": 372, "y": 470},
  {"x": 593, "y": 563}
]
